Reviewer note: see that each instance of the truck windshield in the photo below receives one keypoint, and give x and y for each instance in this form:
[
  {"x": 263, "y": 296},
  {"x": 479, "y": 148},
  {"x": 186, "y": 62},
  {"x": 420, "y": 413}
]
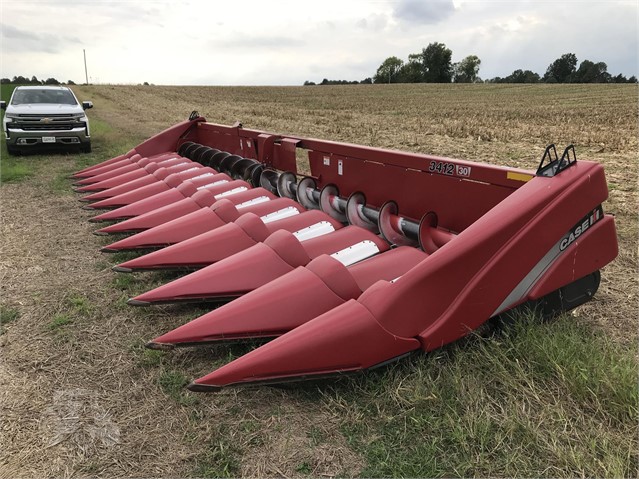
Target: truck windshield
[{"x": 64, "y": 97}]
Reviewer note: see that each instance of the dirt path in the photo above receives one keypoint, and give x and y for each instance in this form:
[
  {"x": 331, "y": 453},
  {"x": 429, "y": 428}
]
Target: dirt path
[{"x": 68, "y": 394}]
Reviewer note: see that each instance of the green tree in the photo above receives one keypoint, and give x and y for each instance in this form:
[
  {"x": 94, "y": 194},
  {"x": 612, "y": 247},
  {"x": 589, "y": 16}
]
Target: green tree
[
  {"x": 561, "y": 69},
  {"x": 590, "y": 72},
  {"x": 411, "y": 71},
  {"x": 467, "y": 70},
  {"x": 521, "y": 76},
  {"x": 388, "y": 71},
  {"x": 436, "y": 63}
]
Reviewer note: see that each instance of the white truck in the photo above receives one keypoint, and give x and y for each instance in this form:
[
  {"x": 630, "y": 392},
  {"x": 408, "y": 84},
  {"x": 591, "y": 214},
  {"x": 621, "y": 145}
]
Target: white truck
[{"x": 45, "y": 116}]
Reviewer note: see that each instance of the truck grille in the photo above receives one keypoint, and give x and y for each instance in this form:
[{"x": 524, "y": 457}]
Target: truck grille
[
  {"x": 49, "y": 126},
  {"x": 38, "y": 116},
  {"x": 51, "y": 122}
]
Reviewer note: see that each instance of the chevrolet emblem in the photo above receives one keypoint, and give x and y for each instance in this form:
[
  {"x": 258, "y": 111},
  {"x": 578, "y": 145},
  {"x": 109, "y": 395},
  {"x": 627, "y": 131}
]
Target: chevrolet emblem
[{"x": 46, "y": 120}]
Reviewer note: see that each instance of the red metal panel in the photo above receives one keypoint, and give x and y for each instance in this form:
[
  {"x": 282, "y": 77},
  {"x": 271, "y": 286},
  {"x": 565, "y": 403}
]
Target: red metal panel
[
  {"x": 168, "y": 139},
  {"x": 248, "y": 146},
  {"x": 219, "y": 135},
  {"x": 284, "y": 154},
  {"x": 265, "y": 144}
]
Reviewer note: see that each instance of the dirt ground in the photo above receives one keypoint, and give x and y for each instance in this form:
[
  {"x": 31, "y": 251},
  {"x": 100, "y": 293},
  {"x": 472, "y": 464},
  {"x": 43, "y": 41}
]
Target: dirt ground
[{"x": 78, "y": 394}]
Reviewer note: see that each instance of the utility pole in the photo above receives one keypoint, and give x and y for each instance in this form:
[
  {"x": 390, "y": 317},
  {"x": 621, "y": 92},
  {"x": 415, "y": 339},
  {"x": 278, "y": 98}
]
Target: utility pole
[{"x": 85, "y": 66}]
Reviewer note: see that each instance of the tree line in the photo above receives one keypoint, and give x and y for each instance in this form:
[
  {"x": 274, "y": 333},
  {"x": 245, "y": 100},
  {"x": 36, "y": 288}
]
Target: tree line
[
  {"x": 20, "y": 80},
  {"x": 434, "y": 65},
  {"x": 340, "y": 82},
  {"x": 564, "y": 70}
]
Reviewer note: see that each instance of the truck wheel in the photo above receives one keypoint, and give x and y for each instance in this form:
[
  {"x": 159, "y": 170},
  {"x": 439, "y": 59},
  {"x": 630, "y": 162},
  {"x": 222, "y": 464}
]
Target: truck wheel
[{"x": 86, "y": 148}]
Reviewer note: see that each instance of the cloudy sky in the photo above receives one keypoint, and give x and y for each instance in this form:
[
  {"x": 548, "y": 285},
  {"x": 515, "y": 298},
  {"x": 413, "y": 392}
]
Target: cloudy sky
[{"x": 280, "y": 42}]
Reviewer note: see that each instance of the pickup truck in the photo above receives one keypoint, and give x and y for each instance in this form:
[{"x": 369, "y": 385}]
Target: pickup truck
[{"x": 45, "y": 116}]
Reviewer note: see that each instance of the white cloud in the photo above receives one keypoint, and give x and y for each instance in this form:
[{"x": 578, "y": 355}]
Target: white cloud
[
  {"x": 287, "y": 42},
  {"x": 423, "y": 12}
]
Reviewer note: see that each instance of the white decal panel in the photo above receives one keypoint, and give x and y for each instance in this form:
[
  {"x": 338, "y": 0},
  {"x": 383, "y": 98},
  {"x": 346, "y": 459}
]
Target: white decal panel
[
  {"x": 234, "y": 191},
  {"x": 313, "y": 231},
  {"x": 356, "y": 252},
  {"x": 280, "y": 214},
  {"x": 254, "y": 201},
  {"x": 215, "y": 183}
]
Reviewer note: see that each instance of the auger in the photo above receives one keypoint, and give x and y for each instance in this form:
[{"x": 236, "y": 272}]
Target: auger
[{"x": 473, "y": 241}]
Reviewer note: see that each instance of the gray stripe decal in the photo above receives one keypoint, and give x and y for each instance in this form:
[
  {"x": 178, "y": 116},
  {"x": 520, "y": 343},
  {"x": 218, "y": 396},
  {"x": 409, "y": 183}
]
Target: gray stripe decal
[{"x": 526, "y": 284}]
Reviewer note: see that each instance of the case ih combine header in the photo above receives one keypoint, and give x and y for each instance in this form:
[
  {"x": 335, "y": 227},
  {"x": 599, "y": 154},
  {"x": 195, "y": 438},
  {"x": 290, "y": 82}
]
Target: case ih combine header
[{"x": 374, "y": 255}]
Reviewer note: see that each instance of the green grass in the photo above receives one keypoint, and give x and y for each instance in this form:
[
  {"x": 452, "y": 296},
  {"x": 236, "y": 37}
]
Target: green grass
[
  {"x": 59, "y": 321},
  {"x": 147, "y": 358},
  {"x": 74, "y": 309},
  {"x": 60, "y": 183},
  {"x": 7, "y": 315},
  {"x": 125, "y": 282},
  {"x": 151, "y": 358},
  {"x": 120, "y": 256},
  {"x": 304, "y": 468},
  {"x": 540, "y": 399},
  {"x": 6, "y": 89},
  {"x": 106, "y": 142},
  {"x": 11, "y": 171},
  {"x": 173, "y": 383},
  {"x": 221, "y": 458},
  {"x": 80, "y": 305}
]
